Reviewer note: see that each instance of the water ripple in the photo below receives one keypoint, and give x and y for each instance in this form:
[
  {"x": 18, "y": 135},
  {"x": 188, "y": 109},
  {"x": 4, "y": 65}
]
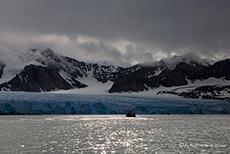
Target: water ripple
[{"x": 115, "y": 134}]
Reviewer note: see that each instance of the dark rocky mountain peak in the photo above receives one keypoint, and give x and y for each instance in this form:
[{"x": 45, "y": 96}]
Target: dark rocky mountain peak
[
  {"x": 73, "y": 67},
  {"x": 38, "y": 78}
]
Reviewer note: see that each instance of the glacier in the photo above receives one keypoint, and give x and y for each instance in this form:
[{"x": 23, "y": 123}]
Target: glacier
[{"x": 67, "y": 103}]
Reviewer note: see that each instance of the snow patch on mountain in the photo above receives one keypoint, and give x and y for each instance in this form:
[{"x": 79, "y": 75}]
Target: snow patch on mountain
[{"x": 93, "y": 87}]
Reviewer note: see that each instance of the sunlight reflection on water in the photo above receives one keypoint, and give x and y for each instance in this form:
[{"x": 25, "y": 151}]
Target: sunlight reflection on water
[{"x": 114, "y": 134}]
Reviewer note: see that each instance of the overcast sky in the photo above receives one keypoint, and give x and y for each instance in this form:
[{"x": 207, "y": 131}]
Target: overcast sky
[{"x": 117, "y": 31}]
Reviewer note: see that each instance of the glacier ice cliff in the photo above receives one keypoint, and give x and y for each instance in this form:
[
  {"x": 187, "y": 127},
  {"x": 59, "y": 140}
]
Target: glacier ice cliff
[{"x": 51, "y": 103}]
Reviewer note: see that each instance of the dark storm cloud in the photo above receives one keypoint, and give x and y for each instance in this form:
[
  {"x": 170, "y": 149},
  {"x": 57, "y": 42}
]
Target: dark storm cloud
[
  {"x": 168, "y": 25},
  {"x": 111, "y": 54}
]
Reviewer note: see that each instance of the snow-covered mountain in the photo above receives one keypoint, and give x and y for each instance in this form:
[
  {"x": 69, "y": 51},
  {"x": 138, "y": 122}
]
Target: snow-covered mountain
[
  {"x": 52, "y": 72},
  {"x": 171, "y": 63},
  {"x": 71, "y": 68},
  {"x": 162, "y": 74},
  {"x": 48, "y": 71}
]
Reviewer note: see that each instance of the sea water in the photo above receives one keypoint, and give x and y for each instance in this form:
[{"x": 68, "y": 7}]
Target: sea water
[{"x": 157, "y": 134}]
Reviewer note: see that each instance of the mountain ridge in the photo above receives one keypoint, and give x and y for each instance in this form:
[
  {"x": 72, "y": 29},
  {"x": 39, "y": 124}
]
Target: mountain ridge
[{"x": 55, "y": 72}]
